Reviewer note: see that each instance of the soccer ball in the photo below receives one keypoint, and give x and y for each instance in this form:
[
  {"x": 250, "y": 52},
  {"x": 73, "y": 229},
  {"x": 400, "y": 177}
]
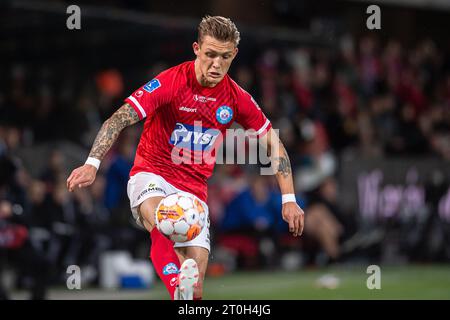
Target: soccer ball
[{"x": 180, "y": 217}]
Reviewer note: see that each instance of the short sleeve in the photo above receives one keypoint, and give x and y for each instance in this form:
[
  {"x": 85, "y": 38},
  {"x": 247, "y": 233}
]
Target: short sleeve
[
  {"x": 152, "y": 95},
  {"x": 250, "y": 115}
]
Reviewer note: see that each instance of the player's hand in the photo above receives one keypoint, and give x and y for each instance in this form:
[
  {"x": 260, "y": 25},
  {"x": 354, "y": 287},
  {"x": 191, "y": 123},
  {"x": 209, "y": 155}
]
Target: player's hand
[
  {"x": 294, "y": 216},
  {"x": 81, "y": 177}
]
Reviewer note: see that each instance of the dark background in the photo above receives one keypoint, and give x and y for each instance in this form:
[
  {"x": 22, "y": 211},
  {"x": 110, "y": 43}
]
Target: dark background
[{"x": 348, "y": 102}]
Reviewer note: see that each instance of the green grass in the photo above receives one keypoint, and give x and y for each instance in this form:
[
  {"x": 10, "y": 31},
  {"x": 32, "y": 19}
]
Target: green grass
[{"x": 406, "y": 282}]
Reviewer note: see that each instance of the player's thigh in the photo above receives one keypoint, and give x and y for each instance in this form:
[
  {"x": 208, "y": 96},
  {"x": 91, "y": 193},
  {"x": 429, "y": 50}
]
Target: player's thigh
[{"x": 146, "y": 210}]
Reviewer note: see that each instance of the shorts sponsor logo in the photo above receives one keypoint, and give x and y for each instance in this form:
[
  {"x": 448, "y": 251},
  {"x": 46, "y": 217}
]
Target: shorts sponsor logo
[
  {"x": 170, "y": 268},
  {"x": 151, "y": 188},
  {"x": 152, "y": 85}
]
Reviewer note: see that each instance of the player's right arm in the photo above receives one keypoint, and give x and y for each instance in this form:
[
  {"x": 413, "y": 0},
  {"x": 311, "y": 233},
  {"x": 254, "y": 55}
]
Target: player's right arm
[
  {"x": 141, "y": 104},
  {"x": 84, "y": 176}
]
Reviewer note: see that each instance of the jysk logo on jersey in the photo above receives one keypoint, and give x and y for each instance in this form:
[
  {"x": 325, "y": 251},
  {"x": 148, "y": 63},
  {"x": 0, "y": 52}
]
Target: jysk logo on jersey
[
  {"x": 224, "y": 114},
  {"x": 152, "y": 85},
  {"x": 195, "y": 138},
  {"x": 170, "y": 268}
]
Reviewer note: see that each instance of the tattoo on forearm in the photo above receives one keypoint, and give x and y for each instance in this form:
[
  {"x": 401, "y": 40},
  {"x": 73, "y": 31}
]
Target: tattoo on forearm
[
  {"x": 284, "y": 165},
  {"x": 111, "y": 129}
]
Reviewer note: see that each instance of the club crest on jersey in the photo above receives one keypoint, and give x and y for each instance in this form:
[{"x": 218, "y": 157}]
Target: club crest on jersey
[
  {"x": 195, "y": 138},
  {"x": 224, "y": 114},
  {"x": 152, "y": 85}
]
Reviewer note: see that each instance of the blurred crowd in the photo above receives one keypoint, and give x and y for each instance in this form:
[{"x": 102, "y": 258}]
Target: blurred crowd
[{"x": 365, "y": 98}]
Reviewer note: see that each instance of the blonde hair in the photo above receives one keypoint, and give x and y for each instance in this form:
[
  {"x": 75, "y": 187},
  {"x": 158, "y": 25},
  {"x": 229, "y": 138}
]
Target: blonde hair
[{"x": 220, "y": 28}]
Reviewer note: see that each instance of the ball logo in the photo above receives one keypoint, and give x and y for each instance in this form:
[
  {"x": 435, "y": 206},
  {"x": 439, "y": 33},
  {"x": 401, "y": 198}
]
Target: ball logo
[
  {"x": 170, "y": 268},
  {"x": 224, "y": 114}
]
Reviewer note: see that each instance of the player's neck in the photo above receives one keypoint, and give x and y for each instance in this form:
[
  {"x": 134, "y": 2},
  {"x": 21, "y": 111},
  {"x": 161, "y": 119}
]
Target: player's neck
[{"x": 200, "y": 78}]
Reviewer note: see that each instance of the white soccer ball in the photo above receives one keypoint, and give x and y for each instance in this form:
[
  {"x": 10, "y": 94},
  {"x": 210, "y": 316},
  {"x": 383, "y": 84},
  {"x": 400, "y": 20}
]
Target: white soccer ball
[
  {"x": 202, "y": 219},
  {"x": 192, "y": 216},
  {"x": 181, "y": 226},
  {"x": 166, "y": 227},
  {"x": 180, "y": 217}
]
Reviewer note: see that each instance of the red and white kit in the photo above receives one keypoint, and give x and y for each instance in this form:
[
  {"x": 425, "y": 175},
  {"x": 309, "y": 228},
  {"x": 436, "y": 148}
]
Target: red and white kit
[{"x": 184, "y": 118}]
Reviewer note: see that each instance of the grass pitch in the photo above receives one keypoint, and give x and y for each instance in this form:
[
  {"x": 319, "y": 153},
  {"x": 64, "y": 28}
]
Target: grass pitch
[
  {"x": 349, "y": 283},
  {"x": 411, "y": 282}
]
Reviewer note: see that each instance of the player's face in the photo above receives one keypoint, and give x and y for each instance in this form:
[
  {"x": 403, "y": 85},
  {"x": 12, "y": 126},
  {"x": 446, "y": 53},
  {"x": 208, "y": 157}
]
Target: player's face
[{"x": 214, "y": 58}]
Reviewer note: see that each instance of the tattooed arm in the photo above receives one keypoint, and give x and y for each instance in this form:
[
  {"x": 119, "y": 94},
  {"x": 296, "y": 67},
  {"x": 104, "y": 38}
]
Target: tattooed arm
[
  {"x": 110, "y": 130},
  {"x": 281, "y": 167}
]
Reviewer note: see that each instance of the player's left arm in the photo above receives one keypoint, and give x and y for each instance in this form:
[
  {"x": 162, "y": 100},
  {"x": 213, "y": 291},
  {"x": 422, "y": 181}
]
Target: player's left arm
[{"x": 281, "y": 165}]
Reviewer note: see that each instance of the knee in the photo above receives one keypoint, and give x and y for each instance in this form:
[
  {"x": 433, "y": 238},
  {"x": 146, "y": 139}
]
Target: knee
[{"x": 146, "y": 212}]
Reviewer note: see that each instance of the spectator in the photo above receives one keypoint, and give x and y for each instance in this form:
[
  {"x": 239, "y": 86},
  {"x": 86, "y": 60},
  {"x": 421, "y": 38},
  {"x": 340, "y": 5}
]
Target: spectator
[
  {"x": 372, "y": 99},
  {"x": 15, "y": 246},
  {"x": 252, "y": 223},
  {"x": 322, "y": 223}
]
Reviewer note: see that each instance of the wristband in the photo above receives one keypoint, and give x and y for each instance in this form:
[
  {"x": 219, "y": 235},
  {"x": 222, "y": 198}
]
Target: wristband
[
  {"x": 290, "y": 197},
  {"x": 93, "y": 162}
]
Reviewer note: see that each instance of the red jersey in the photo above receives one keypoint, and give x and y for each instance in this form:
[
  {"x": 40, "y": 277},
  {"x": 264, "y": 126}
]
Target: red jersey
[{"x": 182, "y": 117}]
